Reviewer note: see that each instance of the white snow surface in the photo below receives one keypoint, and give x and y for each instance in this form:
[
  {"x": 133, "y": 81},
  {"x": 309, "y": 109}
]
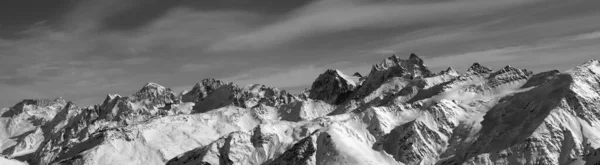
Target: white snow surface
[{"x": 5, "y": 161}]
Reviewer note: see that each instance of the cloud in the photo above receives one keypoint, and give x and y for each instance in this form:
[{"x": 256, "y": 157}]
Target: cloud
[
  {"x": 586, "y": 36},
  {"x": 88, "y": 15},
  {"x": 335, "y": 15},
  {"x": 553, "y": 54}
]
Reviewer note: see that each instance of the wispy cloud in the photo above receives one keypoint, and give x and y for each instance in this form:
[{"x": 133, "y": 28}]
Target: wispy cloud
[
  {"x": 83, "y": 56},
  {"x": 554, "y": 54},
  {"x": 77, "y": 61},
  {"x": 586, "y": 36},
  {"x": 335, "y": 15}
]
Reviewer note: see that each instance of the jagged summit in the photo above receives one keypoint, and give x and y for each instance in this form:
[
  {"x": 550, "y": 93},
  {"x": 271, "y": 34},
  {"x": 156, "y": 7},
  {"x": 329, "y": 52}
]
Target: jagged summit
[
  {"x": 509, "y": 68},
  {"x": 395, "y": 60},
  {"x": 112, "y": 96},
  {"x": 415, "y": 59},
  {"x": 593, "y": 62},
  {"x": 333, "y": 86},
  {"x": 332, "y": 71},
  {"x": 151, "y": 89},
  {"x": 588, "y": 68},
  {"x": 478, "y": 69},
  {"x": 43, "y": 102},
  {"x": 211, "y": 81},
  {"x": 588, "y": 65},
  {"x": 411, "y": 68},
  {"x": 208, "y": 84},
  {"x": 449, "y": 71},
  {"x": 202, "y": 89},
  {"x": 23, "y": 106},
  {"x": 155, "y": 94},
  {"x": 153, "y": 85},
  {"x": 390, "y": 61},
  {"x": 414, "y": 56}
]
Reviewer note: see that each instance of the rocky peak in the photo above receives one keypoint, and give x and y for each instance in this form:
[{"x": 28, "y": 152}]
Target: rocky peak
[
  {"x": 449, "y": 71},
  {"x": 479, "y": 69},
  {"x": 591, "y": 64},
  {"x": 202, "y": 89},
  {"x": 152, "y": 88},
  {"x": 512, "y": 70},
  {"x": 211, "y": 82},
  {"x": 396, "y": 67},
  {"x": 263, "y": 91},
  {"x": 509, "y": 68},
  {"x": 590, "y": 67},
  {"x": 415, "y": 59},
  {"x": 111, "y": 97},
  {"x": 332, "y": 86},
  {"x": 540, "y": 78},
  {"x": 43, "y": 103},
  {"x": 395, "y": 60},
  {"x": 411, "y": 68},
  {"x": 211, "y": 94},
  {"x": 357, "y": 75},
  {"x": 155, "y": 93}
]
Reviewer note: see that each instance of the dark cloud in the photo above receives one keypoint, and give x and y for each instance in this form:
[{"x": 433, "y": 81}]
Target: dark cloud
[
  {"x": 138, "y": 13},
  {"x": 19, "y": 15}
]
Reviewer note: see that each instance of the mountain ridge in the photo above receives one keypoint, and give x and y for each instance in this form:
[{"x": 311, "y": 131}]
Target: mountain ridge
[{"x": 400, "y": 113}]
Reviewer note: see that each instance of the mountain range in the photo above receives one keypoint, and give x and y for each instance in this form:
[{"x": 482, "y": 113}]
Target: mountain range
[{"x": 400, "y": 113}]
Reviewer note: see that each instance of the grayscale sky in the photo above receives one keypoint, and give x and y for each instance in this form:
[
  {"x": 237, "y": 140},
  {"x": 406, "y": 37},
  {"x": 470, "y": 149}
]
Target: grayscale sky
[{"x": 84, "y": 49}]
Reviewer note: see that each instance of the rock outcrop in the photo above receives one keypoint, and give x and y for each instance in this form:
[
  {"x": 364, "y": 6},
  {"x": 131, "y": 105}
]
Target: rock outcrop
[{"x": 334, "y": 86}]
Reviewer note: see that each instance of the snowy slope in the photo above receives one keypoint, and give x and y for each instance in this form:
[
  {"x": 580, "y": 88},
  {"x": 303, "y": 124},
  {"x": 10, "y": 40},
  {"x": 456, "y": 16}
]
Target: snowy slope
[
  {"x": 5, "y": 161},
  {"x": 401, "y": 113}
]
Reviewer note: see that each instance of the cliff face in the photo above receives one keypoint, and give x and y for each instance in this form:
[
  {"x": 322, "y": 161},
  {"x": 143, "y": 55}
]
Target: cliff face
[
  {"x": 401, "y": 113},
  {"x": 334, "y": 87}
]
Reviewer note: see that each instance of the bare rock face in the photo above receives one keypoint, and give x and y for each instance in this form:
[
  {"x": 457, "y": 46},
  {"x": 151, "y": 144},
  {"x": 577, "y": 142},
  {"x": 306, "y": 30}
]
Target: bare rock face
[
  {"x": 299, "y": 154},
  {"x": 211, "y": 94},
  {"x": 477, "y": 68},
  {"x": 394, "y": 66},
  {"x": 401, "y": 113},
  {"x": 201, "y": 90},
  {"x": 152, "y": 94},
  {"x": 334, "y": 86}
]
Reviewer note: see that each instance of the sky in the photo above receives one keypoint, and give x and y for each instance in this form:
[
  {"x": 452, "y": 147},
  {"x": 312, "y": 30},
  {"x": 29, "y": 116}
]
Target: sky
[{"x": 82, "y": 50}]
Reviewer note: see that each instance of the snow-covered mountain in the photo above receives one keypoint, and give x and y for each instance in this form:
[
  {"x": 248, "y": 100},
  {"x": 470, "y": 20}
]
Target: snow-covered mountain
[{"x": 400, "y": 113}]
